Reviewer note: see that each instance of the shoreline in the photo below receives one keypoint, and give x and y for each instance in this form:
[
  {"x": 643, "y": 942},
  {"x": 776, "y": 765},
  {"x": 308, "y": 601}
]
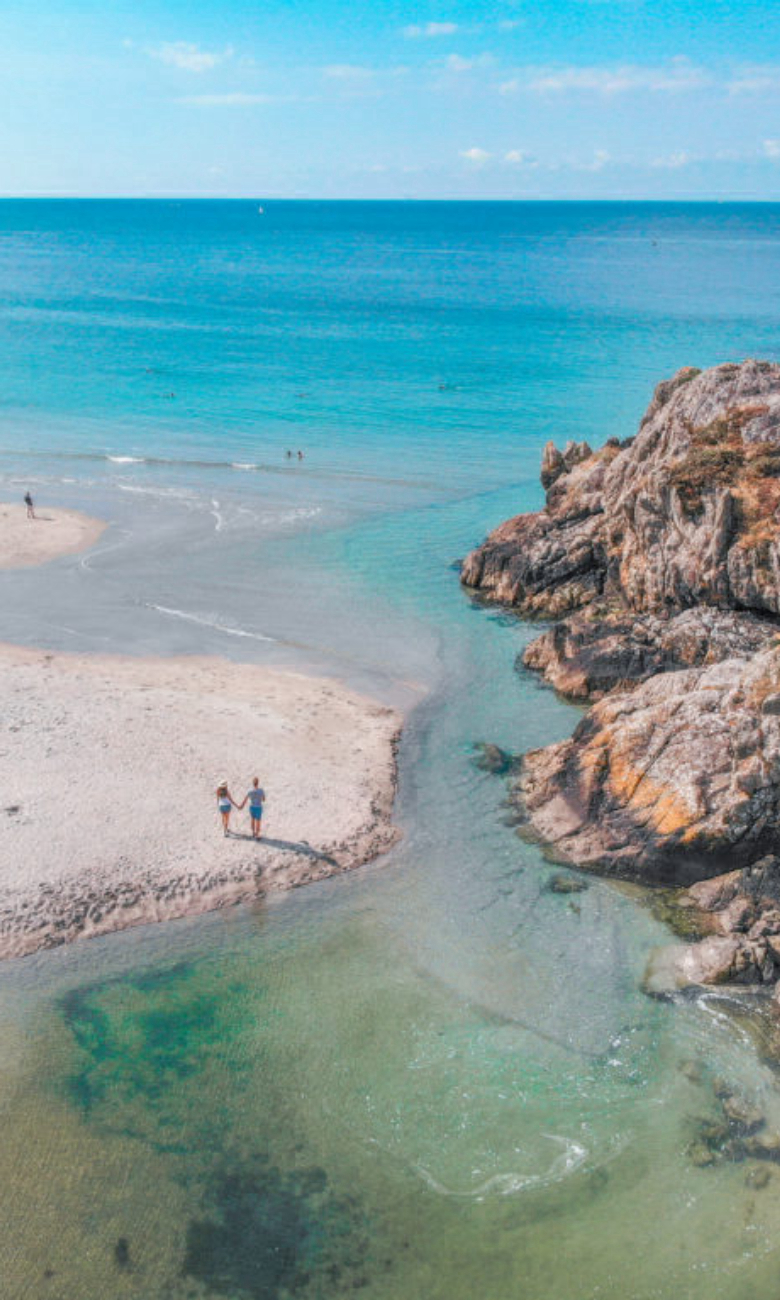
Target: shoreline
[
  {"x": 109, "y": 766},
  {"x": 25, "y": 543}
]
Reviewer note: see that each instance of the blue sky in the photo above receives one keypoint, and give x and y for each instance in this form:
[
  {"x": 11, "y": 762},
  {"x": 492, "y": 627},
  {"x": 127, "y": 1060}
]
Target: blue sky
[{"x": 576, "y": 98}]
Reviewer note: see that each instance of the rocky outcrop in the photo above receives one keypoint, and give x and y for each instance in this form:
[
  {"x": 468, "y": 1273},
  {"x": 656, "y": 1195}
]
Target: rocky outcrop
[
  {"x": 555, "y": 462},
  {"x": 669, "y": 783},
  {"x": 742, "y": 911},
  {"x": 662, "y": 556},
  {"x": 685, "y": 514},
  {"x": 583, "y": 657},
  {"x": 660, "y": 559}
]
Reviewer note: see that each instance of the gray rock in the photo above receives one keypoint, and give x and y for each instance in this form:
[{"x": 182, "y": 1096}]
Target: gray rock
[
  {"x": 584, "y": 656},
  {"x": 651, "y": 784},
  {"x": 683, "y": 516}
]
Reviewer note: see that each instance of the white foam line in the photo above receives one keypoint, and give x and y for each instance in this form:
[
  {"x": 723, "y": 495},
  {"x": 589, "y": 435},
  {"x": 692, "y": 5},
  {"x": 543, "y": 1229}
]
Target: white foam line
[
  {"x": 105, "y": 550},
  {"x": 127, "y": 460},
  {"x": 570, "y": 1159},
  {"x": 209, "y": 622}
]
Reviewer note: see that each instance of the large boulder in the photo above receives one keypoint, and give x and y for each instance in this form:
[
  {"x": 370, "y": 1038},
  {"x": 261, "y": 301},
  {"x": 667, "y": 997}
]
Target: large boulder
[
  {"x": 683, "y": 515},
  {"x": 671, "y": 782}
]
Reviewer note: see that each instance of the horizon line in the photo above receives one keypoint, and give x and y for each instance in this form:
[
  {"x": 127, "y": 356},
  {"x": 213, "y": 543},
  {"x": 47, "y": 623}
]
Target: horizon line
[{"x": 315, "y": 198}]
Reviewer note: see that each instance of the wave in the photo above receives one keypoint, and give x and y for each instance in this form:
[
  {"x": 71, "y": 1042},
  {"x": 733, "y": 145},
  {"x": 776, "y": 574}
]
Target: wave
[
  {"x": 421, "y": 482},
  {"x": 204, "y": 621},
  {"x": 178, "y": 494},
  {"x": 299, "y": 512}
]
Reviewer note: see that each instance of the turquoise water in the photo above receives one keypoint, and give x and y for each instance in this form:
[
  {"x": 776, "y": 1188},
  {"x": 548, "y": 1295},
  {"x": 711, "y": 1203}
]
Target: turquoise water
[{"x": 433, "y": 1077}]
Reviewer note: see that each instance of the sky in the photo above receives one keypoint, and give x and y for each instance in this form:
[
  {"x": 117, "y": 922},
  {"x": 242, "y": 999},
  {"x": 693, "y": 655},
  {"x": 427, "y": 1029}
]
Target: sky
[{"x": 382, "y": 99}]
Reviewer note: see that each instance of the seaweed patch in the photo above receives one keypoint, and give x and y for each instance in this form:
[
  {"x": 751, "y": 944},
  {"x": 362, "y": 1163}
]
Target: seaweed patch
[{"x": 267, "y": 1233}]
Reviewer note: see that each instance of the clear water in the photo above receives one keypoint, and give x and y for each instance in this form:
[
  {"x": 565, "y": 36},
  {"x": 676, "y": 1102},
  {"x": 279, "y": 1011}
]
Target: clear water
[{"x": 433, "y": 1077}]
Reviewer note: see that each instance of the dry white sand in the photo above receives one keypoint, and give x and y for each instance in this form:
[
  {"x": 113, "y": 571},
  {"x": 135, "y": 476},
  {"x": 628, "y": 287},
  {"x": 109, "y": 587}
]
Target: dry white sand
[
  {"x": 108, "y": 771},
  {"x": 24, "y": 542}
]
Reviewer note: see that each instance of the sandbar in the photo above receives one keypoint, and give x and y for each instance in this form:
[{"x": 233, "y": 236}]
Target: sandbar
[
  {"x": 108, "y": 771},
  {"x": 25, "y": 542}
]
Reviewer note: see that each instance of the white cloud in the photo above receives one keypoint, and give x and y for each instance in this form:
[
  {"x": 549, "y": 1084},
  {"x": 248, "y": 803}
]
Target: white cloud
[
  {"x": 456, "y": 63},
  {"x": 189, "y": 57},
  {"x": 755, "y": 79},
  {"x": 429, "y": 30},
  {"x": 672, "y": 161},
  {"x": 478, "y": 156},
  {"x": 598, "y": 162},
  {"x": 772, "y": 148},
  {"x": 519, "y": 158},
  {"x": 509, "y": 24},
  {"x": 671, "y": 78}
]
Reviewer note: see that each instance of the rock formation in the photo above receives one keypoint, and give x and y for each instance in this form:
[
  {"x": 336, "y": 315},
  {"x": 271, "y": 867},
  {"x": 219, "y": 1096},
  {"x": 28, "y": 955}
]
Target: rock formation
[
  {"x": 582, "y": 656},
  {"x": 660, "y": 557},
  {"x": 741, "y": 910},
  {"x": 682, "y": 515},
  {"x": 670, "y": 782}
]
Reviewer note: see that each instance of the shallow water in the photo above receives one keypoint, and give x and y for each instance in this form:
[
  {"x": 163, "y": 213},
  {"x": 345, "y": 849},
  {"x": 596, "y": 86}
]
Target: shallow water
[{"x": 433, "y": 1077}]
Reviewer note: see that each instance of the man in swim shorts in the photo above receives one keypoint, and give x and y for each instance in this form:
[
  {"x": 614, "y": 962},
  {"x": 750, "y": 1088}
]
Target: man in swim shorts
[
  {"x": 255, "y": 797},
  {"x": 28, "y": 501}
]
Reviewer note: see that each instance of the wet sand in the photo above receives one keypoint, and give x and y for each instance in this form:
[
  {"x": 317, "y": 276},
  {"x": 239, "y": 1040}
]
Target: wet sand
[
  {"x": 108, "y": 771},
  {"x": 25, "y": 542}
]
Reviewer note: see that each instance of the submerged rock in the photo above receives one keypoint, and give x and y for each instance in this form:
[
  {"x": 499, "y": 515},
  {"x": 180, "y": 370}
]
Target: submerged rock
[
  {"x": 565, "y": 884},
  {"x": 758, "y": 1178},
  {"x": 491, "y": 758}
]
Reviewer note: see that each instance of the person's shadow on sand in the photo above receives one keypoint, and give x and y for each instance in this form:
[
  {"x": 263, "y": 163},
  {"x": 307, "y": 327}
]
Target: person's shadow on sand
[{"x": 293, "y": 846}]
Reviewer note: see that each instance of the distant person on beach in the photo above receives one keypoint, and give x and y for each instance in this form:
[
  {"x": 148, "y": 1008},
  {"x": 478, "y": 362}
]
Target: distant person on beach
[
  {"x": 225, "y": 804},
  {"x": 255, "y": 798},
  {"x": 289, "y": 455},
  {"x": 300, "y": 455},
  {"x": 28, "y": 501}
]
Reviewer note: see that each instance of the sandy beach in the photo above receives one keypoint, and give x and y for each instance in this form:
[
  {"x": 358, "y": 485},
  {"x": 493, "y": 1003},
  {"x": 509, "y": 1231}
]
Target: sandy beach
[
  {"x": 25, "y": 542},
  {"x": 108, "y": 768}
]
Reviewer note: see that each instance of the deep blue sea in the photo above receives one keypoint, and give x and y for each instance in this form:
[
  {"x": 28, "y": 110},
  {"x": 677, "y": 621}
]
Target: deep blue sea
[{"x": 432, "y": 1078}]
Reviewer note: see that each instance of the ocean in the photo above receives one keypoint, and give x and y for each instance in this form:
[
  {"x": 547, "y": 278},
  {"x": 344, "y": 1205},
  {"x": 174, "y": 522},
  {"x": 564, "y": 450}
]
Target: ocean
[{"x": 433, "y": 1077}]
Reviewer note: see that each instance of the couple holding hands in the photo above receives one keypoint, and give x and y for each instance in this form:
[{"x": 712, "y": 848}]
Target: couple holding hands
[{"x": 255, "y": 797}]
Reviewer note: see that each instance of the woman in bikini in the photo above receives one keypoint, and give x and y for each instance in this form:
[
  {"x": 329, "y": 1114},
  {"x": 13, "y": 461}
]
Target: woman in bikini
[{"x": 225, "y": 803}]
